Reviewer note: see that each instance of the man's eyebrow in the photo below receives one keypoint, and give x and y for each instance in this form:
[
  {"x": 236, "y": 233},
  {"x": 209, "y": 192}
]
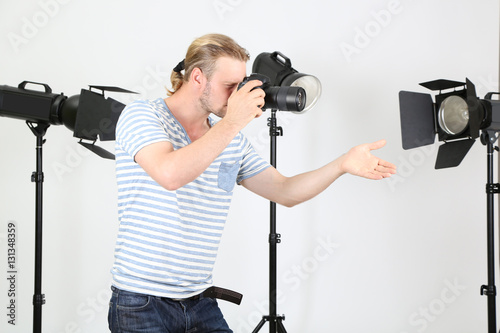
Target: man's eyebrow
[{"x": 230, "y": 83}]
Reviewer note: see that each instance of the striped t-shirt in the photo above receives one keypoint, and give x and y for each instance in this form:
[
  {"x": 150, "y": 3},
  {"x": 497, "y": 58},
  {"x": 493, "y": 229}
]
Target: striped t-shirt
[{"x": 168, "y": 240}]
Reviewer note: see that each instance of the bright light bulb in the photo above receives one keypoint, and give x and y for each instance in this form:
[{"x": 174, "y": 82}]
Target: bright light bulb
[{"x": 453, "y": 115}]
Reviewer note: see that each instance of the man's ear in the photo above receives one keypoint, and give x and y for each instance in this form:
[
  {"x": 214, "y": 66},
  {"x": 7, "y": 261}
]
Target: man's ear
[{"x": 197, "y": 77}]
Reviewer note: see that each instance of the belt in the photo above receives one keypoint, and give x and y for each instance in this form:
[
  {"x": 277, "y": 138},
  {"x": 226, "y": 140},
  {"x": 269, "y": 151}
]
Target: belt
[{"x": 215, "y": 292}]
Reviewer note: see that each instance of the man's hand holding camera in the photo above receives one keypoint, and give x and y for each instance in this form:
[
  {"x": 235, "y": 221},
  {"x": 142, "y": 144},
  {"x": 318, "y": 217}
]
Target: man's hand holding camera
[{"x": 245, "y": 104}]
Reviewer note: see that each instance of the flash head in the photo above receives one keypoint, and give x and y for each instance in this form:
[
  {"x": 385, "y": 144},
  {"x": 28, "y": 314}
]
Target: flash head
[{"x": 89, "y": 115}]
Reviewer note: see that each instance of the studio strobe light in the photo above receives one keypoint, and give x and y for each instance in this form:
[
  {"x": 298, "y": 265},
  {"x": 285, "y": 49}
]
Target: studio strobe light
[
  {"x": 278, "y": 68},
  {"x": 89, "y": 116},
  {"x": 458, "y": 117},
  {"x": 286, "y": 90}
]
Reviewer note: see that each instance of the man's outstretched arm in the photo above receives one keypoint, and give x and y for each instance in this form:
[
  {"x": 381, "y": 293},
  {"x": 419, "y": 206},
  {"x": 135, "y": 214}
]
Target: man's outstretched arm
[{"x": 290, "y": 191}]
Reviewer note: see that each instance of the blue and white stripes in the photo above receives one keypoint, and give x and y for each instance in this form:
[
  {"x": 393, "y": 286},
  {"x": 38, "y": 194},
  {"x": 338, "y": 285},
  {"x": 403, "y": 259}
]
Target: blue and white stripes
[{"x": 168, "y": 240}]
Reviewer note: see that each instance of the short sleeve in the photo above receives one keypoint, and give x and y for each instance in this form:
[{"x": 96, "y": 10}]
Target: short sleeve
[
  {"x": 139, "y": 125},
  {"x": 252, "y": 163}
]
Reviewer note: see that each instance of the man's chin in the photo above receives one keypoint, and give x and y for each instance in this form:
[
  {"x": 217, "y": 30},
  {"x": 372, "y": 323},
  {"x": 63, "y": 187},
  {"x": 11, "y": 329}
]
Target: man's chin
[{"x": 221, "y": 112}]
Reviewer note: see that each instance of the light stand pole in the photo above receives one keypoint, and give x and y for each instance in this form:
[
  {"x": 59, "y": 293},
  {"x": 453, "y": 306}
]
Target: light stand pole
[
  {"x": 491, "y": 189},
  {"x": 275, "y": 321},
  {"x": 37, "y": 177}
]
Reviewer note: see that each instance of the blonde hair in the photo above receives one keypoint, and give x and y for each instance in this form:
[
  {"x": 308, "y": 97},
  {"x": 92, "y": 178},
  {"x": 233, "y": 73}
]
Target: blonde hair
[{"x": 203, "y": 54}]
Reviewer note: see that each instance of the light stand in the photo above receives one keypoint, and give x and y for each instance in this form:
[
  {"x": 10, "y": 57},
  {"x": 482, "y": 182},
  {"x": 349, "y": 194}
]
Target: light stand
[
  {"x": 275, "y": 321},
  {"x": 458, "y": 118},
  {"x": 37, "y": 177},
  {"x": 286, "y": 90},
  {"x": 89, "y": 115},
  {"x": 491, "y": 189}
]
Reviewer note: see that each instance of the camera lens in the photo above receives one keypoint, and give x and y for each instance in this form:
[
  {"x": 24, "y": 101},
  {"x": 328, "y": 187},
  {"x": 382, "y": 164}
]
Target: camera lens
[{"x": 285, "y": 98}]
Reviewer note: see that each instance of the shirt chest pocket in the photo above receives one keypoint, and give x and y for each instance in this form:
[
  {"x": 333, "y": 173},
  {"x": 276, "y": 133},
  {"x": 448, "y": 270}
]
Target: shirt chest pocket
[{"x": 226, "y": 178}]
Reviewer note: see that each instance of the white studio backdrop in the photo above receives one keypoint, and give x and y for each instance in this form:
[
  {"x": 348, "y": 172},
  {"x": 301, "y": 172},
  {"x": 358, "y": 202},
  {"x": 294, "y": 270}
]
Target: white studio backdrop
[{"x": 402, "y": 255}]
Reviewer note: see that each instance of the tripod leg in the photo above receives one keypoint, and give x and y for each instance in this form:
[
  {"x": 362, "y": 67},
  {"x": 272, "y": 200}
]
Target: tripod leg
[
  {"x": 281, "y": 327},
  {"x": 259, "y": 326}
]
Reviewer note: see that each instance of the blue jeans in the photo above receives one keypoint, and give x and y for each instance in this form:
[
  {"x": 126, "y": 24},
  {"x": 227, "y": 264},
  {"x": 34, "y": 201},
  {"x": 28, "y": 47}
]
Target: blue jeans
[{"x": 130, "y": 312}]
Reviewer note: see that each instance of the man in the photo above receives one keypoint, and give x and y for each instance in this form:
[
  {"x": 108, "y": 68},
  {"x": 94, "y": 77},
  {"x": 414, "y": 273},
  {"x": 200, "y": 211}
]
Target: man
[{"x": 176, "y": 169}]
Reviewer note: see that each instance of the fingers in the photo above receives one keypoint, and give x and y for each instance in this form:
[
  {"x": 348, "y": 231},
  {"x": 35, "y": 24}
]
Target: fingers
[
  {"x": 387, "y": 166},
  {"x": 378, "y": 173},
  {"x": 363, "y": 163},
  {"x": 385, "y": 172},
  {"x": 382, "y": 166},
  {"x": 257, "y": 95},
  {"x": 245, "y": 103},
  {"x": 377, "y": 144}
]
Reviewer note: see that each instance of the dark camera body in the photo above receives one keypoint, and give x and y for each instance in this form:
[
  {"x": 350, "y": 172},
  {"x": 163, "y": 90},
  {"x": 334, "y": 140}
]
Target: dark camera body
[{"x": 279, "y": 98}]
